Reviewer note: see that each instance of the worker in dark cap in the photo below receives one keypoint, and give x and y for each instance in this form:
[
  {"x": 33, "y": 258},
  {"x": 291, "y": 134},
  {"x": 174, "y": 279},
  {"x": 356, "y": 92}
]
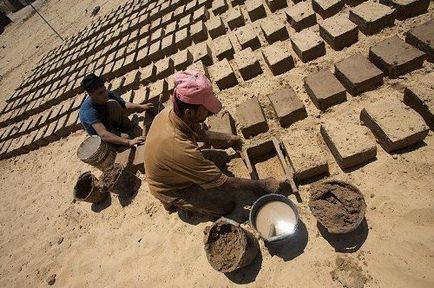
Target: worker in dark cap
[{"x": 105, "y": 114}]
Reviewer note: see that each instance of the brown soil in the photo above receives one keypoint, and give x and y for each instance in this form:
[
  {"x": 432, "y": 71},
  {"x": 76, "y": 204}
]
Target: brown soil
[
  {"x": 348, "y": 273},
  {"x": 121, "y": 181},
  {"x": 337, "y": 206},
  {"x": 225, "y": 245},
  {"x": 269, "y": 166}
]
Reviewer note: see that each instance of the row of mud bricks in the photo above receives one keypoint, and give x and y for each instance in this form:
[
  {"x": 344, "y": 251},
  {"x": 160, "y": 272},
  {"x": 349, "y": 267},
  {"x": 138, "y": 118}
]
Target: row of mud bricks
[{"x": 148, "y": 42}]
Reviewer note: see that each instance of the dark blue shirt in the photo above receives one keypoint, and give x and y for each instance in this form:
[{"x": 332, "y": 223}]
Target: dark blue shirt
[{"x": 91, "y": 112}]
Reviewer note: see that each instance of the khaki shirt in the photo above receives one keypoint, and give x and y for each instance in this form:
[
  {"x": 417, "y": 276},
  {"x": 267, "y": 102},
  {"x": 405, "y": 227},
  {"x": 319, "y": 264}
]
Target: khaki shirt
[{"x": 173, "y": 161}]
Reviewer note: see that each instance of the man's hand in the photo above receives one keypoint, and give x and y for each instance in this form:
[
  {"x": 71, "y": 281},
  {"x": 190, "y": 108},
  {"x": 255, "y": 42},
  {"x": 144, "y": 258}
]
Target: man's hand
[
  {"x": 236, "y": 142},
  {"x": 271, "y": 185},
  {"x": 137, "y": 140},
  {"x": 147, "y": 106}
]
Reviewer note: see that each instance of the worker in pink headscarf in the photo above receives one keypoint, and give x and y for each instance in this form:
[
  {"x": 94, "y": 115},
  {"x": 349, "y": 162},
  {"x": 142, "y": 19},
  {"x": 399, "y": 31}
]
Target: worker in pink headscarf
[{"x": 178, "y": 173}]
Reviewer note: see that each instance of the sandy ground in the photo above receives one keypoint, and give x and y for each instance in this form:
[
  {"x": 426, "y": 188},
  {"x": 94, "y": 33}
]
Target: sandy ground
[{"x": 136, "y": 244}]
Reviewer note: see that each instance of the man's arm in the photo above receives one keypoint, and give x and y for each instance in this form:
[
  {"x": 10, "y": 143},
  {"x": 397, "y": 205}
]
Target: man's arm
[
  {"x": 259, "y": 187},
  {"x": 109, "y": 137},
  {"x": 220, "y": 140},
  {"x": 134, "y": 107}
]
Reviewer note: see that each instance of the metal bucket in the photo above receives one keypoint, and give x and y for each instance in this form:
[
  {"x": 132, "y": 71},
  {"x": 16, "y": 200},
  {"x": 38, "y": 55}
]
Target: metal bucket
[
  {"x": 96, "y": 152},
  {"x": 88, "y": 189},
  {"x": 275, "y": 233},
  {"x": 242, "y": 252}
]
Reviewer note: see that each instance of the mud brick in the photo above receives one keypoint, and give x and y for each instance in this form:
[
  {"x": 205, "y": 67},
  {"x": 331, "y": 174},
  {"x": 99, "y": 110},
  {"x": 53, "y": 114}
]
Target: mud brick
[
  {"x": 164, "y": 68},
  {"x": 215, "y": 27},
  {"x": 170, "y": 85},
  {"x": 191, "y": 6},
  {"x": 132, "y": 80},
  {"x": 395, "y": 57},
  {"x": 223, "y": 75},
  {"x": 49, "y": 135},
  {"x": 125, "y": 157},
  {"x": 255, "y": 9},
  {"x": 128, "y": 96},
  {"x": 422, "y": 37},
  {"x": 198, "y": 66},
  {"x": 224, "y": 48},
  {"x": 200, "y": 14},
  {"x": 117, "y": 84},
  {"x": 141, "y": 95},
  {"x": 28, "y": 141},
  {"x": 182, "y": 39},
  {"x": 338, "y": 32},
  {"x": 251, "y": 118},
  {"x": 307, "y": 163},
  {"x": 155, "y": 52},
  {"x": 148, "y": 74},
  {"x": 247, "y": 37},
  {"x": 247, "y": 64},
  {"x": 351, "y": 144},
  {"x": 288, "y": 106},
  {"x": 198, "y": 32},
  {"x": 171, "y": 28},
  {"x": 222, "y": 123},
  {"x": 308, "y": 45},
  {"x": 278, "y": 58},
  {"x": 234, "y": 18},
  {"x": 139, "y": 159},
  {"x": 324, "y": 89},
  {"x": 420, "y": 97},
  {"x": 61, "y": 130},
  {"x": 185, "y": 21},
  {"x": 182, "y": 59},
  {"x": 45, "y": 117},
  {"x": 4, "y": 149},
  {"x": 202, "y": 52},
  {"x": 327, "y": 8},
  {"x": 219, "y": 7},
  {"x": 142, "y": 57},
  {"x": 372, "y": 17},
  {"x": 301, "y": 16},
  {"x": 395, "y": 125},
  {"x": 408, "y": 8},
  {"x": 157, "y": 91},
  {"x": 73, "y": 122},
  {"x": 179, "y": 12},
  {"x": 168, "y": 45},
  {"x": 357, "y": 74},
  {"x": 273, "y": 30},
  {"x": 276, "y": 4}
]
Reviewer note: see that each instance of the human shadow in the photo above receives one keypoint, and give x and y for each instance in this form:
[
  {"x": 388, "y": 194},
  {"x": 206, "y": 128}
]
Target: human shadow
[
  {"x": 291, "y": 248},
  {"x": 246, "y": 274},
  {"x": 126, "y": 197},
  {"x": 98, "y": 207},
  {"x": 349, "y": 242},
  {"x": 194, "y": 218}
]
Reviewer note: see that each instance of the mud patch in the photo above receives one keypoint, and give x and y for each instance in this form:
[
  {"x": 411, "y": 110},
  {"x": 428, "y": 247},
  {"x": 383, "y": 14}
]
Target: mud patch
[
  {"x": 338, "y": 206},
  {"x": 349, "y": 273}
]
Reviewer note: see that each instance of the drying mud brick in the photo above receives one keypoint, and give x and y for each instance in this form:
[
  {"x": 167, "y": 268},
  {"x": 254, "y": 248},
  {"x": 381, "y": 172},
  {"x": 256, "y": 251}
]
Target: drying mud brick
[
  {"x": 273, "y": 29},
  {"x": 276, "y": 4},
  {"x": 339, "y": 32},
  {"x": 148, "y": 74},
  {"x": 420, "y": 97},
  {"x": 422, "y": 37},
  {"x": 198, "y": 32},
  {"x": 395, "y": 125},
  {"x": 49, "y": 135},
  {"x": 327, "y": 8},
  {"x": 407, "y": 8},
  {"x": 182, "y": 39},
  {"x": 251, "y": 118},
  {"x": 301, "y": 16},
  {"x": 215, "y": 27},
  {"x": 223, "y": 48},
  {"x": 182, "y": 59},
  {"x": 288, "y": 106},
  {"x": 278, "y": 58},
  {"x": 395, "y": 57},
  {"x": 351, "y": 144},
  {"x": 247, "y": 64},
  {"x": 324, "y": 89},
  {"x": 219, "y": 7},
  {"x": 222, "y": 123},
  {"x": 164, "y": 68},
  {"x": 202, "y": 52},
  {"x": 234, "y": 18},
  {"x": 141, "y": 95},
  {"x": 372, "y": 17},
  {"x": 200, "y": 67},
  {"x": 139, "y": 159},
  {"x": 155, "y": 51},
  {"x": 222, "y": 73},
  {"x": 308, "y": 45},
  {"x": 247, "y": 37},
  {"x": 305, "y": 155},
  {"x": 168, "y": 45},
  {"x": 157, "y": 91},
  {"x": 255, "y": 9},
  {"x": 357, "y": 74},
  {"x": 132, "y": 80}
]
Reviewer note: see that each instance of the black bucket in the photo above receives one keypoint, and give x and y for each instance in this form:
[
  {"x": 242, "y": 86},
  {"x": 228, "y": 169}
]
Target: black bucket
[{"x": 88, "y": 189}]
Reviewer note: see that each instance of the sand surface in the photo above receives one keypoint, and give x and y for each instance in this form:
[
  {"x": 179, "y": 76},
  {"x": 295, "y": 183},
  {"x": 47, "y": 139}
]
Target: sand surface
[{"x": 137, "y": 244}]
